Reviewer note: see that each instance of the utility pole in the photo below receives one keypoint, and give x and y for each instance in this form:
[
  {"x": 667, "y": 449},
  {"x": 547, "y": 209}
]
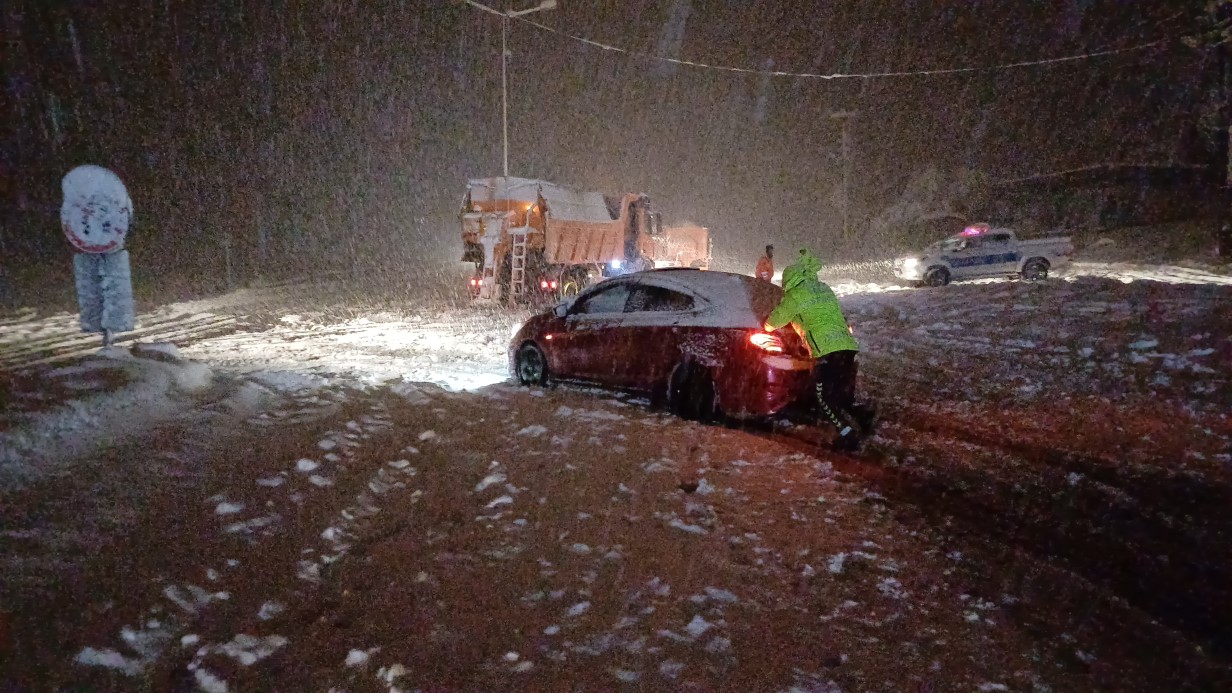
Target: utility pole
[
  {"x": 505, "y": 15},
  {"x": 845, "y": 117},
  {"x": 1221, "y": 34},
  {"x": 505, "y": 91}
]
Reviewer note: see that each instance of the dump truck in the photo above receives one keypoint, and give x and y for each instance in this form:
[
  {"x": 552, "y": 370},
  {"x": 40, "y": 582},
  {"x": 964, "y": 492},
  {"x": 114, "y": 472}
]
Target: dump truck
[{"x": 533, "y": 240}]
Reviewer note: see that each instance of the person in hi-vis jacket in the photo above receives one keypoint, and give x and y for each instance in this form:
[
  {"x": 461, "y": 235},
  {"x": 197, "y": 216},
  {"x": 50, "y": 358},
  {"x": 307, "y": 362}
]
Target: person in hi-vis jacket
[{"x": 812, "y": 309}]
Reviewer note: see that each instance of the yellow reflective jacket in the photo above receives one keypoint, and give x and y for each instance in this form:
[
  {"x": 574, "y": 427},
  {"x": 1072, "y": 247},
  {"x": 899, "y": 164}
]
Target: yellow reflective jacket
[{"x": 812, "y": 309}]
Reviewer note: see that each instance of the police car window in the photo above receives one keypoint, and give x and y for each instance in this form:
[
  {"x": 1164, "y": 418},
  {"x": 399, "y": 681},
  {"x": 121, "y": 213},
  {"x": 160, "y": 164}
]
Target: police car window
[
  {"x": 609, "y": 300},
  {"x": 657, "y": 299}
]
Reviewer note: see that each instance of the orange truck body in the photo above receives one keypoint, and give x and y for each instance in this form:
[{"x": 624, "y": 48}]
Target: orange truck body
[{"x": 565, "y": 237}]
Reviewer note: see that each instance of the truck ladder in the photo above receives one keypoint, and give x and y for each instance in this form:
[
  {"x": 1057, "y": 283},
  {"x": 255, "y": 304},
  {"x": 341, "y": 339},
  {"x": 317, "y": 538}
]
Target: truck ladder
[{"x": 517, "y": 264}]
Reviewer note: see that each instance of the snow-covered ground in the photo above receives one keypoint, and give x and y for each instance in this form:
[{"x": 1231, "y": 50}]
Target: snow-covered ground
[
  {"x": 329, "y": 495},
  {"x": 461, "y": 350}
]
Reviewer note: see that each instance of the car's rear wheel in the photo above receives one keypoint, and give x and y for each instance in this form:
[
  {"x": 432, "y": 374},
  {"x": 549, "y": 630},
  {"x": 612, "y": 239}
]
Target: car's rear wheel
[
  {"x": 531, "y": 365},
  {"x": 937, "y": 276},
  {"x": 691, "y": 394},
  {"x": 1035, "y": 269}
]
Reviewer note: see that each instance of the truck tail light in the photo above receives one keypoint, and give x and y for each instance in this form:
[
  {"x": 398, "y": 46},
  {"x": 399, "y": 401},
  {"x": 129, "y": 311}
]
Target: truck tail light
[{"x": 766, "y": 342}]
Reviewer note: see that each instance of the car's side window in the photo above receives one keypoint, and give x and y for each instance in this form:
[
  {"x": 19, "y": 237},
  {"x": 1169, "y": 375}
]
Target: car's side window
[
  {"x": 657, "y": 299},
  {"x": 609, "y": 300}
]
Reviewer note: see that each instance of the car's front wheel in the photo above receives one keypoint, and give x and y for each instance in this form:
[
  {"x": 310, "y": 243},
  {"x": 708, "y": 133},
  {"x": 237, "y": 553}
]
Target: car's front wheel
[
  {"x": 691, "y": 394},
  {"x": 936, "y": 276},
  {"x": 1035, "y": 269},
  {"x": 531, "y": 365}
]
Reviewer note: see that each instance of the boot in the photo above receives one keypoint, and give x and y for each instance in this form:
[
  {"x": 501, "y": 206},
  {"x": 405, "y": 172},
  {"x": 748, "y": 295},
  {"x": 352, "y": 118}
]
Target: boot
[
  {"x": 866, "y": 416},
  {"x": 848, "y": 440}
]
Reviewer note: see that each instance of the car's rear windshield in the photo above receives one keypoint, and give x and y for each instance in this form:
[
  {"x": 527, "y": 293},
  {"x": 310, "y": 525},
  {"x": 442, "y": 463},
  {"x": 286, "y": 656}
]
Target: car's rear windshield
[{"x": 763, "y": 296}]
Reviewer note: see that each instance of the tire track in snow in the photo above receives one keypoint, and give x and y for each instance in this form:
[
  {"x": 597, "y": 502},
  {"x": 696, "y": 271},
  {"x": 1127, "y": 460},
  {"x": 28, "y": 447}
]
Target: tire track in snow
[
  {"x": 1003, "y": 492},
  {"x": 1157, "y": 540},
  {"x": 1064, "y": 562},
  {"x": 346, "y": 532},
  {"x": 251, "y": 526}
]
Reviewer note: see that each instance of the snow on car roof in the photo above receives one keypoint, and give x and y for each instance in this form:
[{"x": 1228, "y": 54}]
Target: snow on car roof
[{"x": 728, "y": 300}]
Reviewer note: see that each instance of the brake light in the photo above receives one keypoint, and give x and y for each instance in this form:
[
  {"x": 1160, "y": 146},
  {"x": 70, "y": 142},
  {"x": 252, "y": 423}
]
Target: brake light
[
  {"x": 543, "y": 285},
  {"x": 766, "y": 342},
  {"x": 474, "y": 282},
  {"x": 552, "y": 285}
]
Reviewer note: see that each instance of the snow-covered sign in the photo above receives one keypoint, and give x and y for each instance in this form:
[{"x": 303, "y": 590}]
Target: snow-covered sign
[
  {"x": 96, "y": 211},
  {"x": 95, "y": 217}
]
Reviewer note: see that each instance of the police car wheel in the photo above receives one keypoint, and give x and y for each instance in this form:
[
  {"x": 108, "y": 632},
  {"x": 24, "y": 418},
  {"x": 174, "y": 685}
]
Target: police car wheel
[
  {"x": 1035, "y": 270},
  {"x": 937, "y": 276}
]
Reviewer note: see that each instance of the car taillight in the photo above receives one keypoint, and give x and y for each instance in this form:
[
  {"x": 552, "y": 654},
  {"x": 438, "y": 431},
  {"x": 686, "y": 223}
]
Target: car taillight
[
  {"x": 766, "y": 342},
  {"x": 552, "y": 285},
  {"x": 474, "y": 282}
]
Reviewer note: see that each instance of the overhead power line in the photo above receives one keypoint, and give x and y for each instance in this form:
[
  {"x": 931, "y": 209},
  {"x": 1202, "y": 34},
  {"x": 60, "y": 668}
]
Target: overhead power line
[{"x": 839, "y": 75}]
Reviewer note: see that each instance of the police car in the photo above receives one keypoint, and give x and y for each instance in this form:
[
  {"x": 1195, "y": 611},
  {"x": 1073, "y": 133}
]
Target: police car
[{"x": 981, "y": 251}]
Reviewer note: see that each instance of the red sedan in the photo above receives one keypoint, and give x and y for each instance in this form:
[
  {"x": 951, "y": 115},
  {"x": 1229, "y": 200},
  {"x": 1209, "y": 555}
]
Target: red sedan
[{"x": 690, "y": 338}]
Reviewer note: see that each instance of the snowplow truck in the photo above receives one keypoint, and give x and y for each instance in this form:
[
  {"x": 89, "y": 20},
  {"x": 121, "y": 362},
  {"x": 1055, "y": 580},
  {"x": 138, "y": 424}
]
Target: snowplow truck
[{"x": 532, "y": 240}]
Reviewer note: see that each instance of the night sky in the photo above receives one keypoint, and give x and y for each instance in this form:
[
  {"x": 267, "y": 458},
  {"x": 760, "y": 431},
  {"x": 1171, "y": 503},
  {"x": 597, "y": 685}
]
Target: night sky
[{"x": 346, "y": 130}]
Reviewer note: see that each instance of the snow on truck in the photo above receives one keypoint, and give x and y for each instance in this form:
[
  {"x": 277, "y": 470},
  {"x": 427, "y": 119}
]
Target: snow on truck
[
  {"x": 534, "y": 239},
  {"x": 982, "y": 251}
]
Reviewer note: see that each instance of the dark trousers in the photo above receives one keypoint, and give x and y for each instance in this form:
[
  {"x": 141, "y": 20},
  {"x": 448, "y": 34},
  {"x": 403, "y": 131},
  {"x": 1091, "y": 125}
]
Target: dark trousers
[{"x": 835, "y": 377}]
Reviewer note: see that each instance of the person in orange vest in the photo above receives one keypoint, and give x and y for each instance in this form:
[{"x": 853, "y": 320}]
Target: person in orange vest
[{"x": 765, "y": 265}]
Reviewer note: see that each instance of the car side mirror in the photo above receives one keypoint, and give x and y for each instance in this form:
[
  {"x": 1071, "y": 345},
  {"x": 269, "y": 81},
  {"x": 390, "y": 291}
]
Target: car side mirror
[{"x": 561, "y": 310}]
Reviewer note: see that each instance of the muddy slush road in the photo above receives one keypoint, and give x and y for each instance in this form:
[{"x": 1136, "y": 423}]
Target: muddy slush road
[
  {"x": 405, "y": 537},
  {"x": 516, "y": 539}
]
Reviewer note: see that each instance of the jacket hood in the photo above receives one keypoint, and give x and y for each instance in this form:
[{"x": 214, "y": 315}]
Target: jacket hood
[{"x": 805, "y": 267}]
